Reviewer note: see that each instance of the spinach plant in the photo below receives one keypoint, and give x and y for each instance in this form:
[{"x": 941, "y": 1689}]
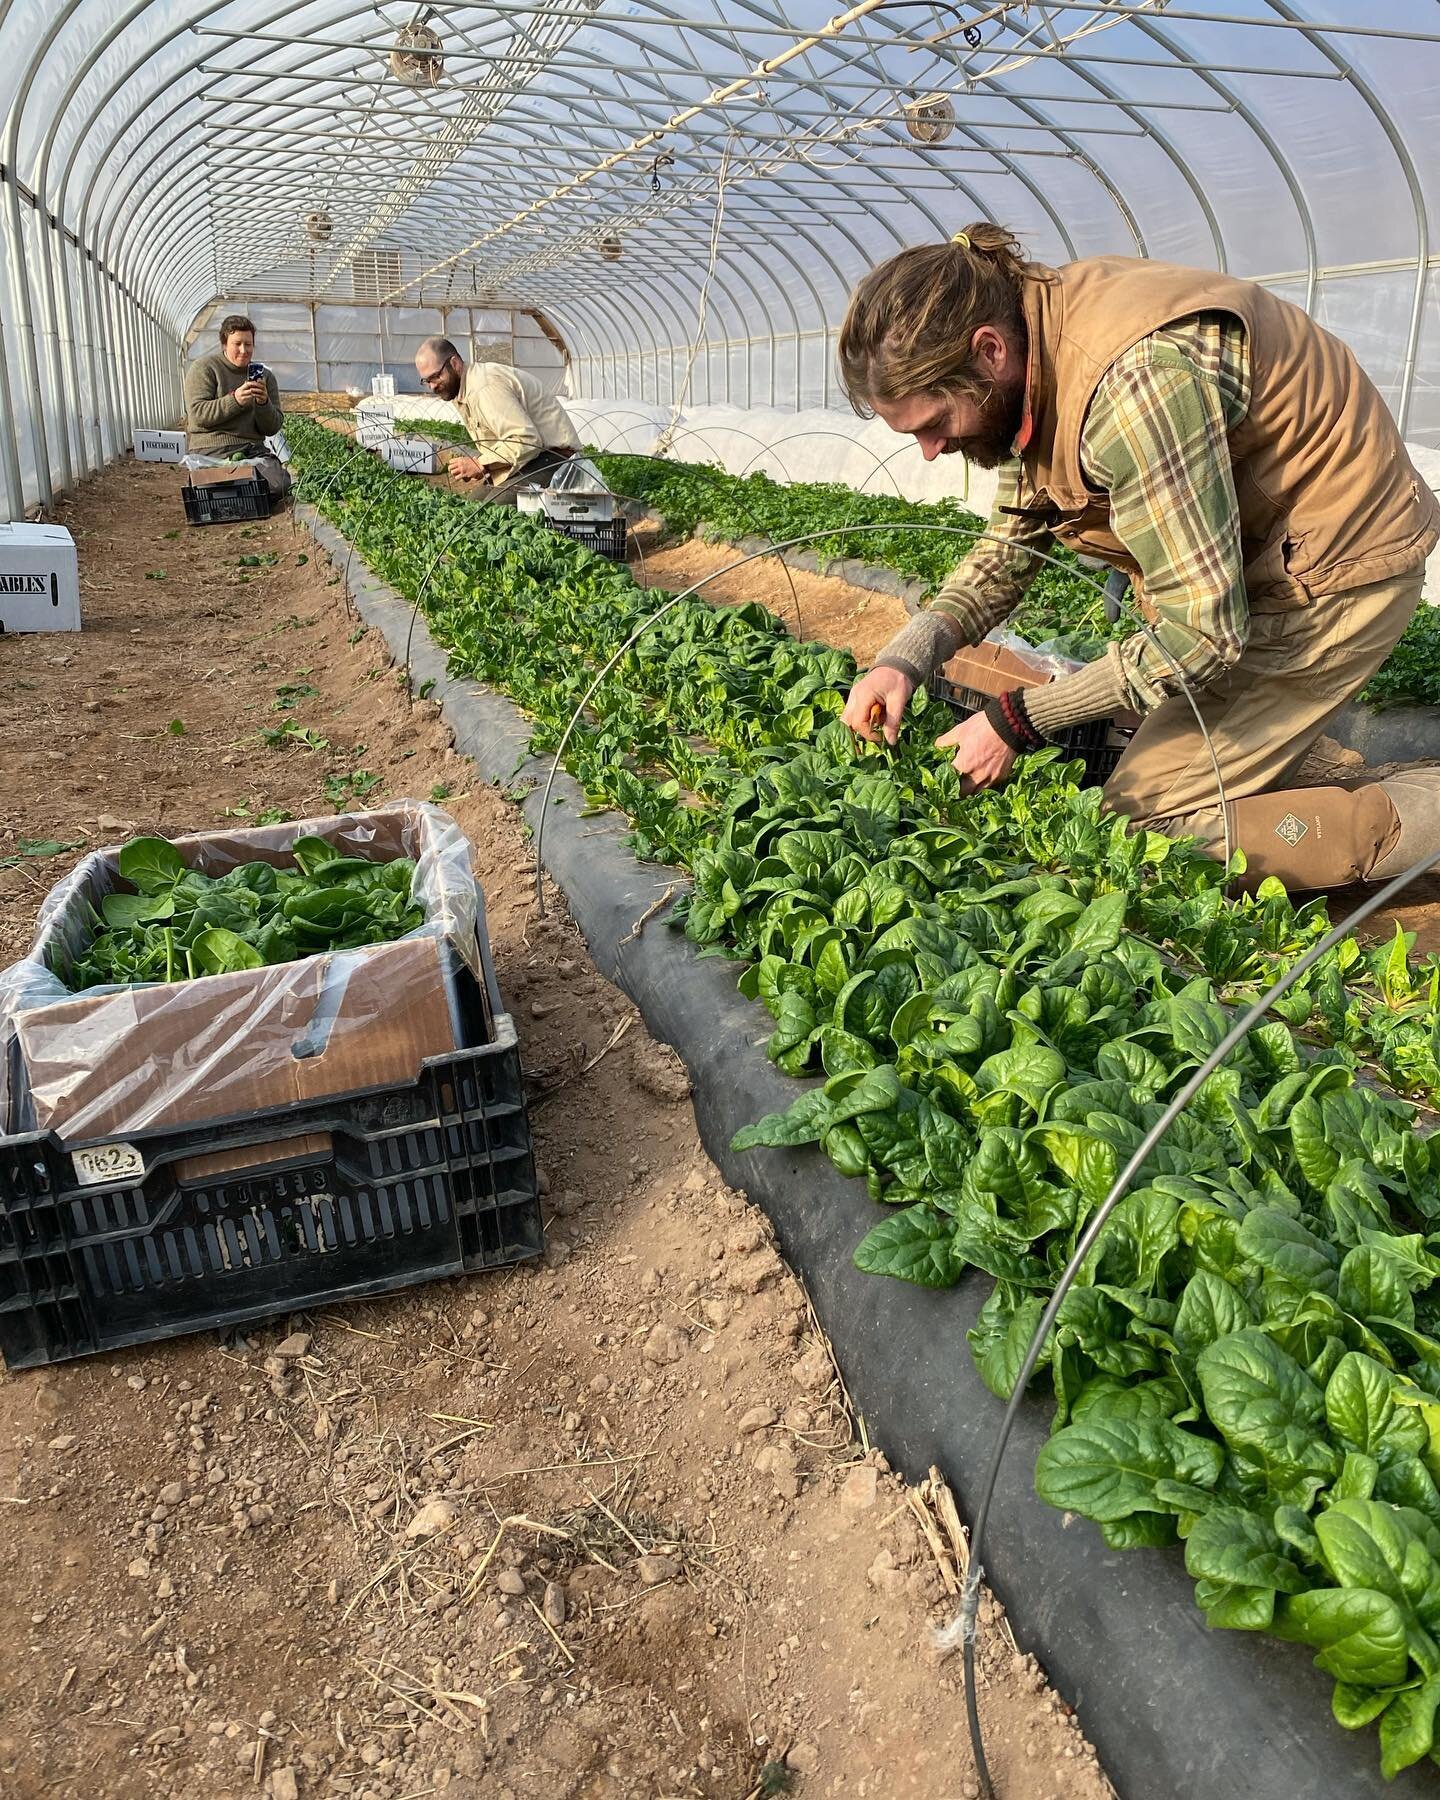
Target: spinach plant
[
  {"x": 991, "y": 998},
  {"x": 177, "y": 923}
]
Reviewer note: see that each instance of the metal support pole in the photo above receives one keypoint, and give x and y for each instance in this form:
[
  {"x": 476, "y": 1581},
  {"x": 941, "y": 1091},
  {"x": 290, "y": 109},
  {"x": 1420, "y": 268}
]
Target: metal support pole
[
  {"x": 89, "y": 301},
  {"x": 9, "y": 440},
  {"x": 24, "y": 344},
  {"x": 51, "y": 244},
  {"x": 110, "y": 349},
  {"x": 69, "y": 332}
]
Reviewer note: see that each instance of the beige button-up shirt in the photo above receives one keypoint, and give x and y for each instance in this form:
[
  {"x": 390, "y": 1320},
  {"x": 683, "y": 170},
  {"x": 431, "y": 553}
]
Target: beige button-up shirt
[{"x": 510, "y": 417}]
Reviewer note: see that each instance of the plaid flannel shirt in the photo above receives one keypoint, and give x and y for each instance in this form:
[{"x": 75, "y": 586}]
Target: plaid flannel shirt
[{"x": 1155, "y": 438}]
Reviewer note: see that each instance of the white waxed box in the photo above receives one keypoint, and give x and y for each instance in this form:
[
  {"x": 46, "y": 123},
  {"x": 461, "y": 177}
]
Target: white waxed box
[
  {"x": 409, "y": 456},
  {"x": 39, "y": 579},
  {"x": 374, "y": 424},
  {"x": 158, "y": 446}
]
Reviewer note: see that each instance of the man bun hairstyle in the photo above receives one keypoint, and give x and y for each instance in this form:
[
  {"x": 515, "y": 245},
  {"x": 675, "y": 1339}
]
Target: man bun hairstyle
[
  {"x": 909, "y": 323},
  {"x": 234, "y": 322}
]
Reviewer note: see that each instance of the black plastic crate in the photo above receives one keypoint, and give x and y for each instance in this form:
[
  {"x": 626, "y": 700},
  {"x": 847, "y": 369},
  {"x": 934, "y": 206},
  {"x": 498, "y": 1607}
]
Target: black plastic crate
[
  {"x": 1099, "y": 743},
  {"x": 418, "y": 1182},
  {"x": 226, "y": 502},
  {"x": 605, "y": 537}
]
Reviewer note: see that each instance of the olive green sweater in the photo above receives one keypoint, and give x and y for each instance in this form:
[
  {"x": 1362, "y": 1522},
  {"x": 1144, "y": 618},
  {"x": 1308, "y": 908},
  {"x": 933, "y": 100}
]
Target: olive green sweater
[{"x": 218, "y": 423}]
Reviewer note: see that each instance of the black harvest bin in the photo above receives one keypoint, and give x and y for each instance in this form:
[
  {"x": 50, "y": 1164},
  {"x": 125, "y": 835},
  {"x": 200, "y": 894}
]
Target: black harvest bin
[
  {"x": 605, "y": 537},
  {"x": 225, "y": 502},
  {"x": 347, "y": 1196},
  {"x": 1099, "y": 744}
]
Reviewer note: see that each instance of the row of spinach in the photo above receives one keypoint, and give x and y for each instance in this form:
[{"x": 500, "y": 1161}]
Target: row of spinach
[
  {"x": 1061, "y": 609},
  {"x": 997, "y": 994}
]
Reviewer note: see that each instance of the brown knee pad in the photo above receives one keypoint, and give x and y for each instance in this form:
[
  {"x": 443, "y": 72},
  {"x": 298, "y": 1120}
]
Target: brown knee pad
[{"x": 1317, "y": 837}]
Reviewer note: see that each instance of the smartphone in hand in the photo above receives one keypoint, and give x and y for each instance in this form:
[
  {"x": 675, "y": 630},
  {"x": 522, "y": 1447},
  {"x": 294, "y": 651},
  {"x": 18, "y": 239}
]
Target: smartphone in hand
[{"x": 256, "y": 372}]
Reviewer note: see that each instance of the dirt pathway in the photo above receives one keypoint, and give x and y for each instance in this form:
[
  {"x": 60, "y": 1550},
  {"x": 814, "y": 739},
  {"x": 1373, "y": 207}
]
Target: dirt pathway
[
  {"x": 213, "y": 1577},
  {"x": 820, "y": 607}
]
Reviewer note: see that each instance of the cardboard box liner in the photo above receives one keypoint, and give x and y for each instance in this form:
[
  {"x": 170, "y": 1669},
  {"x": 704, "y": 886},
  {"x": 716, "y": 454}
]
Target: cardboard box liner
[
  {"x": 1001, "y": 662},
  {"x": 231, "y": 471},
  {"x": 111, "y": 1061},
  {"x": 992, "y": 668}
]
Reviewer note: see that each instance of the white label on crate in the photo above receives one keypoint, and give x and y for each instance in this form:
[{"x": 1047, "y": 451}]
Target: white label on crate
[{"x": 107, "y": 1162}]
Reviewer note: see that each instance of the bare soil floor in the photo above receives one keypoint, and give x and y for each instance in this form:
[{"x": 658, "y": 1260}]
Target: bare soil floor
[
  {"x": 599, "y": 1526},
  {"x": 818, "y": 607}
]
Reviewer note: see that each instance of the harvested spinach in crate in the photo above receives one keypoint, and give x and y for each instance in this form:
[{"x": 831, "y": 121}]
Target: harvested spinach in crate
[{"x": 178, "y": 923}]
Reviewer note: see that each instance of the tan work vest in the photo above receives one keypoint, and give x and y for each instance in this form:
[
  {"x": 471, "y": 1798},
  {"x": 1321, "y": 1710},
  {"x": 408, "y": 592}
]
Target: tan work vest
[{"x": 1328, "y": 497}]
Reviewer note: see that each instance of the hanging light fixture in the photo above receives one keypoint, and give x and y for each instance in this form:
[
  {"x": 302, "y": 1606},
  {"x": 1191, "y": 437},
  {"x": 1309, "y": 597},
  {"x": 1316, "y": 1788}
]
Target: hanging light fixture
[
  {"x": 610, "y": 250},
  {"x": 930, "y": 121},
  {"x": 319, "y": 227},
  {"x": 415, "y": 60}
]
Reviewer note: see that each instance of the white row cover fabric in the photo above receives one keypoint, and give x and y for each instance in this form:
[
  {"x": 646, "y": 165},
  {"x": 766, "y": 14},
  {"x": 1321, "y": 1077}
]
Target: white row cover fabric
[
  {"x": 649, "y": 176},
  {"x": 813, "y": 445}
]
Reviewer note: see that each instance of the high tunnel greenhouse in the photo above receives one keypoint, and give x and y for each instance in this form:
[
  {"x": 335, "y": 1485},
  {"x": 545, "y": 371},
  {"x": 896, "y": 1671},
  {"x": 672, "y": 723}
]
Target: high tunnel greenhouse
[
  {"x": 719, "y": 1000},
  {"x": 674, "y": 202}
]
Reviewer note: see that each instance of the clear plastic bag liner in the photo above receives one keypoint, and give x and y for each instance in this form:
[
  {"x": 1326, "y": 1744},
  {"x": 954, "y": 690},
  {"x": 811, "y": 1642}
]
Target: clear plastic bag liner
[
  {"x": 112, "y": 1060},
  {"x": 1052, "y": 662},
  {"x": 578, "y": 475}
]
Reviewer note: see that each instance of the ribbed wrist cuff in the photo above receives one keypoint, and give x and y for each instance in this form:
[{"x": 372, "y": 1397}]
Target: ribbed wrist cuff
[
  {"x": 1010, "y": 721},
  {"x": 1093, "y": 692},
  {"x": 921, "y": 646}
]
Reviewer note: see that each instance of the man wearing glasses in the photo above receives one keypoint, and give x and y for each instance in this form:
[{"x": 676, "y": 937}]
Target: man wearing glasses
[{"x": 520, "y": 432}]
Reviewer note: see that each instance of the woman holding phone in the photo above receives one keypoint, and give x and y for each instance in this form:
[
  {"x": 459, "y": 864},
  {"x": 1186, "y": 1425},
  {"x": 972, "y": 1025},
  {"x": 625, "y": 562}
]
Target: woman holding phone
[{"x": 232, "y": 405}]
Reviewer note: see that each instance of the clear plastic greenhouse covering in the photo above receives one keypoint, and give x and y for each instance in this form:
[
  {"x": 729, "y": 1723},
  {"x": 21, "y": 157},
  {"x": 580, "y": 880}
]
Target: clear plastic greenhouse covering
[{"x": 683, "y": 194}]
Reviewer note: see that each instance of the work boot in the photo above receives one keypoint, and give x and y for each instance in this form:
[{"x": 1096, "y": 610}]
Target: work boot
[
  {"x": 1415, "y": 796},
  {"x": 1314, "y": 837}
]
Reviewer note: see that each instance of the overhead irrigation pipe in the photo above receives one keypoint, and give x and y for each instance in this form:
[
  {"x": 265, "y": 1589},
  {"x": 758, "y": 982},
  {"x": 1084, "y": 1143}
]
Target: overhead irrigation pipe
[
  {"x": 965, "y": 1624},
  {"x": 808, "y": 537},
  {"x": 652, "y": 140}
]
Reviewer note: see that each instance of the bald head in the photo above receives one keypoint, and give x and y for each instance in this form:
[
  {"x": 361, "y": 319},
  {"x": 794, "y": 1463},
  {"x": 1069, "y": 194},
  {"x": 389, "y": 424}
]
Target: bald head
[{"x": 440, "y": 367}]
